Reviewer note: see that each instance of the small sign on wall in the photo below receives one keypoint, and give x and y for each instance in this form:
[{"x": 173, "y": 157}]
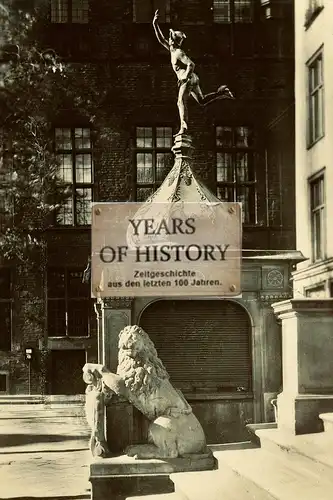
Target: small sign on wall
[{"x": 166, "y": 249}]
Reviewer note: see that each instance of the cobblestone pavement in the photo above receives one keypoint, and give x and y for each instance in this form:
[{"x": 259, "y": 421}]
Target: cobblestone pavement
[{"x": 43, "y": 453}]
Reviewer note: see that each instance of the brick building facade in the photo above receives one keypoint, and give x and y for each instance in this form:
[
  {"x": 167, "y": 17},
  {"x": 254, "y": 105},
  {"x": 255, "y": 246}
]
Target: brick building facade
[{"x": 244, "y": 151}]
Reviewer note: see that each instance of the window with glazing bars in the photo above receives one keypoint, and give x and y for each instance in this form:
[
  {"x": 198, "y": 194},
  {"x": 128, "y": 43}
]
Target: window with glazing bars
[
  {"x": 143, "y": 10},
  {"x": 235, "y": 171},
  {"x": 232, "y": 11},
  {"x": 316, "y": 99},
  {"x": 153, "y": 159},
  {"x": 69, "y": 305},
  {"x": 70, "y": 11},
  {"x": 317, "y": 195},
  {"x": 74, "y": 151}
]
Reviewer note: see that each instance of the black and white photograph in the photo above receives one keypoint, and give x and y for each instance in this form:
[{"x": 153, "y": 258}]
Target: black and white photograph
[{"x": 166, "y": 255}]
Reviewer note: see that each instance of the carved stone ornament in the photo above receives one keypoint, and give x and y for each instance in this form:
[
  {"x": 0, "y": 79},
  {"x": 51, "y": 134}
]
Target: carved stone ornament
[
  {"x": 270, "y": 298},
  {"x": 142, "y": 380},
  {"x": 117, "y": 302},
  {"x": 275, "y": 278}
]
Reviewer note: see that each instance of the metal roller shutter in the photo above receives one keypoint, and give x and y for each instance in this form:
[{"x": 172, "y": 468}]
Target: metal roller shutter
[{"x": 204, "y": 345}]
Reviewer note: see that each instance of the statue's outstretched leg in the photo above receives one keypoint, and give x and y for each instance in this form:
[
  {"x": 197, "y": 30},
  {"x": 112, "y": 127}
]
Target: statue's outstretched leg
[
  {"x": 182, "y": 107},
  {"x": 222, "y": 93}
]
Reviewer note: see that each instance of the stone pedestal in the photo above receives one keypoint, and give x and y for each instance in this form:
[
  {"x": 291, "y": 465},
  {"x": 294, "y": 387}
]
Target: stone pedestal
[
  {"x": 120, "y": 477},
  {"x": 307, "y": 354}
]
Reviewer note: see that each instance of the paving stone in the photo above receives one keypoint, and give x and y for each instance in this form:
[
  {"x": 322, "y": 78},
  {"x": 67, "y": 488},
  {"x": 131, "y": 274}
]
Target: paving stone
[{"x": 44, "y": 454}]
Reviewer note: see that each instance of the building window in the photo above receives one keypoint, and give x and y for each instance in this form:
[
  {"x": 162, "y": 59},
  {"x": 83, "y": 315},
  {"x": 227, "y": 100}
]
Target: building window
[
  {"x": 267, "y": 8},
  {"x": 69, "y": 305},
  {"x": 74, "y": 150},
  {"x": 272, "y": 9},
  {"x": 318, "y": 218},
  {"x": 153, "y": 159},
  {"x": 316, "y": 292},
  {"x": 143, "y": 10},
  {"x": 235, "y": 172},
  {"x": 70, "y": 11},
  {"x": 316, "y": 99},
  {"x": 232, "y": 11},
  {"x": 5, "y": 310},
  {"x": 312, "y": 12}
]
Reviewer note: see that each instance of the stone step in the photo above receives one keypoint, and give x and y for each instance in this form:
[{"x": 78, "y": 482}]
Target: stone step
[
  {"x": 253, "y": 428},
  {"x": 327, "y": 418},
  {"x": 223, "y": 484},
  {"x": 43, "y": 415},
  {"x": 280, "y": 478},
  {"x": 61, "y": 400},
  {"x": 51, "y": 399},
  {"x": 23, "y": 410},
  {"x": 21, "y": 399},
  {"x": 313, "y": 451},
  {"x": 159, "y": 496}
]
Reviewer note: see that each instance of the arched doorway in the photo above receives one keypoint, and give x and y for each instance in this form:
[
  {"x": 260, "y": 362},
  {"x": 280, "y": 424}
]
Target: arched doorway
[{"x": 206, "y": 348}]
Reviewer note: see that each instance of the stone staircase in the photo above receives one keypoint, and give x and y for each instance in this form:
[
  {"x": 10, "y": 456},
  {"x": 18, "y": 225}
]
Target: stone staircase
[
  {"x": 30, "y": 424},
  {"x": 285, "y": 467},
  {"x": 53, "y": 408}
]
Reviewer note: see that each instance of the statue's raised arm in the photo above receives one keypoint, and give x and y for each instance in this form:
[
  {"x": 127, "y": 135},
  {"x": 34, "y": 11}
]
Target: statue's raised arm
[{"x": 159, "y": 35}]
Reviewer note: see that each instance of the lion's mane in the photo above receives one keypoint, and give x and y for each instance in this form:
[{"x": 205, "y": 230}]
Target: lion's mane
[{"x": 138, "y": 362}]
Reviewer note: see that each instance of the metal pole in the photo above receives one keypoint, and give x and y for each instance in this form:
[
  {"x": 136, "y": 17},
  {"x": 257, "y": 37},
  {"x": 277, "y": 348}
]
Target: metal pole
[{"x": 29, "y": 377}]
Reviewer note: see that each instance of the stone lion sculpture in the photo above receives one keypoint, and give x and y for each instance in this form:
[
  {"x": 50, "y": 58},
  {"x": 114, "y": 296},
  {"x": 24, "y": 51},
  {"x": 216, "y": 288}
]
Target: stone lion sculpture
[{"x": 142, "y": 379}]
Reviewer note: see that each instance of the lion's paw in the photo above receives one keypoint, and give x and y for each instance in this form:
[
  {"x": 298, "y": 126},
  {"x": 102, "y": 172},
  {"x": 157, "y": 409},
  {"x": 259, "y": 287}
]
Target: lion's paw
[
  {"x": 144, "y": 451},
  {"x": 131, "y": 451},
  {"x": 98, "y": 448}
]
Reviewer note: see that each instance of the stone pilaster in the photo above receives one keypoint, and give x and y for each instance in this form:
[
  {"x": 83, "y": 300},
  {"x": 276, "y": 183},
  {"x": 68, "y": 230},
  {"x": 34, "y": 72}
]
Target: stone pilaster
[
  {"x": 98, "y": 310},
  {"x": 307, "y": 353},
  {"x": 114, "y": 316}
]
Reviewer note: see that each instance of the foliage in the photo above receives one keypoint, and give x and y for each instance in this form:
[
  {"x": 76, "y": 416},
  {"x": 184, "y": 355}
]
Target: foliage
[
  {"x": 35, "y": 85},
  {"x": 29, "y": 168}
]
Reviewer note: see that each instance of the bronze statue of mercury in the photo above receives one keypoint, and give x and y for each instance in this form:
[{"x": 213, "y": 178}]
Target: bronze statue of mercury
[{"x": 188, "y": 81}]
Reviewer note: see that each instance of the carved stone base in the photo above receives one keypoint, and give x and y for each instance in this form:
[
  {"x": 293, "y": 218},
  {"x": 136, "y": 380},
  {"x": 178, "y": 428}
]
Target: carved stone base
[
  {"x": 123, "y": 476},
  {"x": 124, "y": 487}
]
